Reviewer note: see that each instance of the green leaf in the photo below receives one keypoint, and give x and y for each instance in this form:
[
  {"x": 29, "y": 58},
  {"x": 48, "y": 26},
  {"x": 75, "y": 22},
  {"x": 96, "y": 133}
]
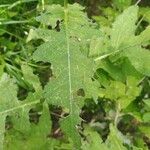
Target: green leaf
[
  {"x": 123, "y": 30},
  {"x": 99, "y": 46},
  {"x": 124, "y": 43},
  {"x": 38, "y": 134},
  {"x": 115, "y": 139},
  {"x": 2, "y": 65},
  {"x": 146, "y": 117},
  {"x": 129, "y": 70},
  {"x": 139, "y": 58},
  {"x": 124, "y": 26},
  {"x": 8, "y": 100},
  {"x": 2, "y": 129},
  {"x": 122, "y": 93},
  {"x": 142, "y": 39},
  {"x": 30, "y": 77},
  {"x": 22, "y": 123},
  {"x": 147, "y": 102},
  {"x": 145, "y": 129},
  {"x": 11, "y": 106},
  {"x": 115, "y": 90},
  {"x": 70, "y": 64},
  {"x": 93, "y": 141},
  {"x": 114, "y": 71},
  {"x": 92, "y": 89},
  {"x": 56, "y": 13},
  {"x": 121, "y": 4},
  {"x": 137, "y": 148},
  {"x": 145, "y": 12}
]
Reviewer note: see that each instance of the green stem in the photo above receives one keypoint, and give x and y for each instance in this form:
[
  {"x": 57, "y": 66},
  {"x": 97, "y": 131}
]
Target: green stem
[
  {"x": 138, "y": 2},
  {"x": 65, "y": 3},
  {"x": 117, "y": 116},
  {"x": 43, "y": 5}
]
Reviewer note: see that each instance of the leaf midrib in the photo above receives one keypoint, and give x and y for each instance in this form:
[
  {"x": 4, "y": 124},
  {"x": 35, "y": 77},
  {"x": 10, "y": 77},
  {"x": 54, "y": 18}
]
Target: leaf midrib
[
  {"x": 19, "y": 107},
  {"x": 68, "y": 58},
  {"x": 69, "y": 67},
  {"x": 116, "y": 51}
]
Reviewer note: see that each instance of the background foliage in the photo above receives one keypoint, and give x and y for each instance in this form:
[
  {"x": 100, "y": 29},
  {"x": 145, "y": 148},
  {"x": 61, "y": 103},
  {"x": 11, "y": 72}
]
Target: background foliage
[{"x": 74, "y": 75}]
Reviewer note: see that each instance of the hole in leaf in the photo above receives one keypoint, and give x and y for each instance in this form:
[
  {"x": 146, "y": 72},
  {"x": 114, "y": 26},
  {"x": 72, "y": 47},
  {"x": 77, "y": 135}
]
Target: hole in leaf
[
  {"x": 141, "y": 27},
  {"x": 81, "y": 92},
  {"x": 34, "y": 116},
  {"x": 128, "y": 124},
  {"x": 8, "y": 123},
  {"x": 22, "y": 93},
  {"x": 49, "y": 27},
  {"x": 58, "y": 25},
  {"x": 56, "y": 115},
  {"x": 44, "y": 72}
]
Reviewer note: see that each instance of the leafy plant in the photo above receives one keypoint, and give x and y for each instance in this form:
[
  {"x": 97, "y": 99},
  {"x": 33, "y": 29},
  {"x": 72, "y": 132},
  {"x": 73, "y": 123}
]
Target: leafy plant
[{"x": 72, "y": 84}]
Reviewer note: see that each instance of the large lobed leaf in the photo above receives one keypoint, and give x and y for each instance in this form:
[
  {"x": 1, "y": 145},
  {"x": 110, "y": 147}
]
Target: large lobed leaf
[{"x": 70, "y": 64}]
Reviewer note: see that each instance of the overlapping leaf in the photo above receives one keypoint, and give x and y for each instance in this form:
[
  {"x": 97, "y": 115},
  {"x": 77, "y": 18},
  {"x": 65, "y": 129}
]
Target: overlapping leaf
[
  {"x": 11, "y": 106},
  {"x": 124, "y": 41},
  {"x": 124, "y": 27},
  {"x": 93, "y": 141},
  {"x": 121, "y": 93},
  {"x": 36, "y": 133}
]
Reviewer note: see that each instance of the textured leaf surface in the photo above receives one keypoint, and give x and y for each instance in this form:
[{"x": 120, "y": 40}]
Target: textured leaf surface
[
  {"x": 121, "y": 93},
  {"x": 120, "y": 4},
  {"x": 124, "y": 26},
  {"x": 139, "y": 58},
  {"x": 145, "y": 12},
  {"x": 71, "y": 66},
  {"x": 32, "y": 139},
  {"x": 11, "y": 106},
  {"x": 124, "y": 41},
  {"x": 32, "y": 79},
  {"x": 93, "y": 141},
  {"x": 115, "y": 139}
]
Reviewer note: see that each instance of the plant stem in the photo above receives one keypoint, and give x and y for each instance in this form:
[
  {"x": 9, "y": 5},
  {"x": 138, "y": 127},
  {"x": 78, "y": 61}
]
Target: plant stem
[
  {"x": 65, "y": 3},
  {"x": 117, "y": 114},
  {"x": 43, "y": 5},
  {"x": 138, "y": 2}
]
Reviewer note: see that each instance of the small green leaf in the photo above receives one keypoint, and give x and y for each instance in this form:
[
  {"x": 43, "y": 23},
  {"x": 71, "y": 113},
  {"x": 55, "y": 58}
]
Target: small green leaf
[
  {"x": 139, "y": 58},
  {"x": 35, "y": 138},
  {"x": 121, "y": 4},
  {"x": 123, "y": 94},
  {"x": 147, "y": 102},
  {"x": 30, "y": 77},
  {"x": 93, "y": 141},
  {"x": 11, "y": 106},
  {"x": 115, "y": 139},
  {"x": 145, "y": 12},
  {"x": 146, "y": 117},
  {"x": 124, "y": 26}
]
